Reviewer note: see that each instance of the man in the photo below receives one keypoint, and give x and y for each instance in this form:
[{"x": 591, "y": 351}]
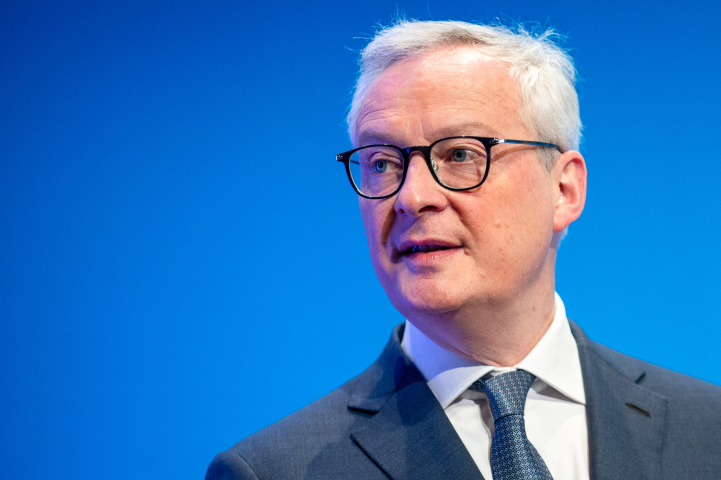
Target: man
[{"x": 468, "y": 173}]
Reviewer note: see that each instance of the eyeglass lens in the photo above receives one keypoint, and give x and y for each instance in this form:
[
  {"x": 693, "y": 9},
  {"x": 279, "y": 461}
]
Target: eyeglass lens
[{"x": 457, "y": 162}]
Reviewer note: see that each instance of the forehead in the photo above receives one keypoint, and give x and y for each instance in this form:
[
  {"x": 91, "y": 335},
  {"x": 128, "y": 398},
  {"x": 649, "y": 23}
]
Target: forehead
[{"x": 451, "y": 91}]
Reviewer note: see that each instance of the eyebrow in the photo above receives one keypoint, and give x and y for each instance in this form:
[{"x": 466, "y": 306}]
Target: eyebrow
[
  {"x": 372, "y": 137},
  {"x": 473, "y": 128}
]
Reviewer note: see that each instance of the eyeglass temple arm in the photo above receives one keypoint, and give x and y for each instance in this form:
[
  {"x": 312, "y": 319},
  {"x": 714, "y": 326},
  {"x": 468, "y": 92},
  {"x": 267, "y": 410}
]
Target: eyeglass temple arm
[{"x": 526, "y": 142}]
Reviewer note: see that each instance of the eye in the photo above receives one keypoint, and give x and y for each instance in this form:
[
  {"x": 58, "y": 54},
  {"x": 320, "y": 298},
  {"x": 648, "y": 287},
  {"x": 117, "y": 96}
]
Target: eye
[
  {"x": 380, "y": 166},
  {"x": 460, "y": 155}
]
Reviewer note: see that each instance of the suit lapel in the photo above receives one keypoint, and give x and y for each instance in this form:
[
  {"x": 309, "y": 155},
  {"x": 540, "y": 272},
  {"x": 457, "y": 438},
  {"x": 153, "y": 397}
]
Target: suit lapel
[
  {"x": 626, "y": 422},
  {"x": 410, "y": 436}
]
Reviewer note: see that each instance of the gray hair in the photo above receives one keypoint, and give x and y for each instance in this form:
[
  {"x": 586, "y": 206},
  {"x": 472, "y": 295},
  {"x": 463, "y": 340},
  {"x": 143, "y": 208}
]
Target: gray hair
[{"x": 543, "y": 71}]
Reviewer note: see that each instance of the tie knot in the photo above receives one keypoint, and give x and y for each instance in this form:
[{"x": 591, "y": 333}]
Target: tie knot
[{"x": 506, "y": 392}]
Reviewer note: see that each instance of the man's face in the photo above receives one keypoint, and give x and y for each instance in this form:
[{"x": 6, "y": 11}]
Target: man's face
[{"x": 496, "y": 239}]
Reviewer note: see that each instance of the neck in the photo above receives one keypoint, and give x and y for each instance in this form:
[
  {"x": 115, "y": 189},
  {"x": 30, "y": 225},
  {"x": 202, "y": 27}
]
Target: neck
[{"x": 496, "y": 331}]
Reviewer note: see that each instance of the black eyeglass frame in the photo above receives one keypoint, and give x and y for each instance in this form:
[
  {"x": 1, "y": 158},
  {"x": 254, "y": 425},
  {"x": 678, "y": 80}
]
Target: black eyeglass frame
[{"x": 487, "y": 142}]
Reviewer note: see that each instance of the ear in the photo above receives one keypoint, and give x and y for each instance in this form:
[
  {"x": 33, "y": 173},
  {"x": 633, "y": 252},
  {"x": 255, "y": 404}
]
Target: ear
[{"x": 569, "y": 178}]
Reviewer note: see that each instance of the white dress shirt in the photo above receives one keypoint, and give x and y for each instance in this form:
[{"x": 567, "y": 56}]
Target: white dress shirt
[{"x": 555, "y": 411}]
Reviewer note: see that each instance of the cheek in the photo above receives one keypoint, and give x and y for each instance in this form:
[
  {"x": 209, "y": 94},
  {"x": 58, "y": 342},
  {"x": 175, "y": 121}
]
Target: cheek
[
  {"x": 530, "y": 214},
  {"x": 377, "y": 220},
  {"x": 515, "y": 222},
  {"x": 527, "y": 195}
]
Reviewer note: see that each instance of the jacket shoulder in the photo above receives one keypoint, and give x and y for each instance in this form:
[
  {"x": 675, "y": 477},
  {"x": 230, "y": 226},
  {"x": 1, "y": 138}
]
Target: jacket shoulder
[
  {"x": 316, "y": 440},
  {"x": 321, "y": 420},
  {"x": 665, "y": 382},
  {"x": 230, "y": 466},
  {"x": 661, "y": 380},
  {"x": 315, "y": 437}
]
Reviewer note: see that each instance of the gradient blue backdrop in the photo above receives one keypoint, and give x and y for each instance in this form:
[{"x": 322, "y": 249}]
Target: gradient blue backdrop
[{"x": 182, "y": 260}]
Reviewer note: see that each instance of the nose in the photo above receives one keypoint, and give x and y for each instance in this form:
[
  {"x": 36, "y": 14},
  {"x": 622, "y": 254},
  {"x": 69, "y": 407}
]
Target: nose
[{"x": 420, "y": 192}]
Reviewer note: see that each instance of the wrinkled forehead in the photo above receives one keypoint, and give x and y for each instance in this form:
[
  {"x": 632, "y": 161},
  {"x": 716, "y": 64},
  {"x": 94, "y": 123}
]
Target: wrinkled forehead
[{"x": 450, "y": 91}]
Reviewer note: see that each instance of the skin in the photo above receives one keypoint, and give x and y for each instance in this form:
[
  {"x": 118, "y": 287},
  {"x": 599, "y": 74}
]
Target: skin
[{"x": 490, "y": 297}]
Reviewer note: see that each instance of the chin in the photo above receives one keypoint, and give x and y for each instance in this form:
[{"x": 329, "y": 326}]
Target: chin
[{"x": 425, "y": 298}]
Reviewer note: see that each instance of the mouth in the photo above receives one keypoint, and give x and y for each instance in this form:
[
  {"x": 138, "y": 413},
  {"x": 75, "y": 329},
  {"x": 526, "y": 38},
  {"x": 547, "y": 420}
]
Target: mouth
[{"x": 424, "y": 249}]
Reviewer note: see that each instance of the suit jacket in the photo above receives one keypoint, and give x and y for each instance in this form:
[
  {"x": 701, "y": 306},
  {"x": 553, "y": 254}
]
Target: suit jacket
[{"x": 644, "y": 422}]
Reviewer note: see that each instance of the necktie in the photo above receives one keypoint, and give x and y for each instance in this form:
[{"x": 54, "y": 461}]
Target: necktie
[{"x": 512, "y": 455}]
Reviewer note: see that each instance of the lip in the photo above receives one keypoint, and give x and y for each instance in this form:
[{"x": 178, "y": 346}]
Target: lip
[
  {"x": 438, "y": 248},
  {"x": 419, "y": 261}
]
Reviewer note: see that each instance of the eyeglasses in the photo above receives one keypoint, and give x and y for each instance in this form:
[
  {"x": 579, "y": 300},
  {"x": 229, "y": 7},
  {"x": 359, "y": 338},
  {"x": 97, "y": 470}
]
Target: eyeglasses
[{"x": 456, "y": 163}]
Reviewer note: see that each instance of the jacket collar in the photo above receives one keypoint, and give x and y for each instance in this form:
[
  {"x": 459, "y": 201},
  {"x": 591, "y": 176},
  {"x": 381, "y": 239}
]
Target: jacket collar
[
  {"x": 626, "y": 421},
  {"x": 402, "y": 437}
]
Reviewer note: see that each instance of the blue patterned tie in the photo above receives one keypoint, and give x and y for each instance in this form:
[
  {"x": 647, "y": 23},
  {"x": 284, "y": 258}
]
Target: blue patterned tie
[{"x": 512, "y": 455}]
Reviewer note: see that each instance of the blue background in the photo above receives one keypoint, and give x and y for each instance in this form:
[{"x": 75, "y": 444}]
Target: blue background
[{"x": 182, "y": 261}]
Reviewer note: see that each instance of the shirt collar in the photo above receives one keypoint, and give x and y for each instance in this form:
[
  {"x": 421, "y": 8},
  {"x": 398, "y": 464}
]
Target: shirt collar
[{"x": 554, "y": 360}]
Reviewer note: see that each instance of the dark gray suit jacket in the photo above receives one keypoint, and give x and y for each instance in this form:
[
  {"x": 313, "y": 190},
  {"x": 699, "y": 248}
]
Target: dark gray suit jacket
[{"x": 644, "y": 422}]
